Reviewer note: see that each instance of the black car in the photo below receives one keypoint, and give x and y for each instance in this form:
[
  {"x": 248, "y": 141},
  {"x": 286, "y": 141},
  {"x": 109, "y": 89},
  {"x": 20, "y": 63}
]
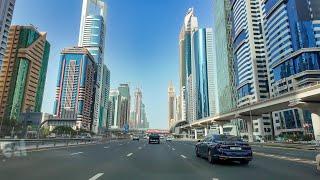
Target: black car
[
  {"x": 154, "y": 138},
  {"x": 224, "y": 147}
]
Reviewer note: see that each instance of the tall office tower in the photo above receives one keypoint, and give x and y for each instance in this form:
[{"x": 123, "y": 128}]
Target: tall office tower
[
  {"x": 114, "y": 100},
  {"x": 92, "y": 37},
  {"x": 137, "y": 106},
  {"x": 6, "y": 13},
  {"x": 105, "y": 89},
  {"x": 292, "y": 29},
  {"x": 225, "y": 99},
  {"x": 171, "y": 104},
  {"x": 249, "y": 59},
  {"x": 75, "y": 86},
  {"x": 143, "y": 116},
  {"x": 202, "y": 71},
  {"x": 177, "y": 115},
  {"x": 132, "y": 119},
  {"x": 124, "y": 91},
  {"x": 23, "y": 73},
  {"x": 185, "y": 41}
]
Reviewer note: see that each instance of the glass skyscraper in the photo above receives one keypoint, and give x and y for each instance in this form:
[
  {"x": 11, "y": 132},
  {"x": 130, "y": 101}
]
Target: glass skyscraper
[
  {"x": 75, "y": 86},
  {"x": 6, "y": 13},
  {"x": 225, "y": 90},
  {"x": 292, "y": 35},
  {"x": 202, "y": 56},
  {"x": 92, "y": 37}
]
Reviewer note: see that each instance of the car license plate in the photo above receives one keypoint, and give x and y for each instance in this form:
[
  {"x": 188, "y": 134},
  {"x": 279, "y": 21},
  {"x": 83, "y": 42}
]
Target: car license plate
[{"x": 235, "y": 148}]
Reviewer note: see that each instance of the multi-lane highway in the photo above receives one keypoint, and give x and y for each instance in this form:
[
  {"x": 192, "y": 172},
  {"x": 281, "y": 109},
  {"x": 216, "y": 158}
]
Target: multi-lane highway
[{"x": 130, "y": 160}]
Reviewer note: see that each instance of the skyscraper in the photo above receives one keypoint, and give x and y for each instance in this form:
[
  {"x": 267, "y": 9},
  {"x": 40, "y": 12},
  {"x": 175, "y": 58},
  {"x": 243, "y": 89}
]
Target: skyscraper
[
  {"x": 202, "y": 57},
  {"x": 75, "y": 86},
  {"x": 92, "y": 37},
  {"x": 225, "y": 89},
  {"x": 114, "y": 103},
  {"x": 104, "y": 99},
  {"x": 137, "y": 106},
  {"x": 171, "y": 104},
  {"x": 185, "y": 42},
  {"x": 23, "y": 73},
  {"x": 249, "y": 59},
  {"x": 124, "y": 91},
  {"x": 292, "y": 31},
  {"x": 6, "y": 13}
]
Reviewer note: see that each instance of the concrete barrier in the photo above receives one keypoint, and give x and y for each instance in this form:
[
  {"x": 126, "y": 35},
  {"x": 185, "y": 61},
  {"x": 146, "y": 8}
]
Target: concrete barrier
[{"x": 318, "y": 161}]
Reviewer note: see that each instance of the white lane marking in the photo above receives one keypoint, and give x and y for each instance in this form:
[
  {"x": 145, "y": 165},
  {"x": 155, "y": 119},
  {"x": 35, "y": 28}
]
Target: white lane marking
[
  {"x": 286, "y": 158},
  {"x": 215, "y": 179},
  {"x": 183, "y": 156},
  {"x": 128, "y": 155},
  {"x": 96, "y": 176},
  {"x": 76, "y": 153},
  {"x": 173, "y": 149},
  {"x": 106, "y": 147},
  {"x": 120, "y": 144},
  {"x": 139, "y": 147}
]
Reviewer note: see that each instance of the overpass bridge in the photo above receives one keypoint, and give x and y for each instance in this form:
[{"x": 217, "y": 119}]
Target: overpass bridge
[{"x": 306, "y": 98}]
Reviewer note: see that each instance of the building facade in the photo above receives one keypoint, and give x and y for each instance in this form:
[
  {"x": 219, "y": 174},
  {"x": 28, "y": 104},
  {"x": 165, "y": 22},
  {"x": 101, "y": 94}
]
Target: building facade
[
  {"x": 225, "y": 98},
  {"x": 92, "y": 36},
  {"x": 6, "y": 13},
  {"x": 75, "y": 86},
  {"x": 125, "y": 98},
  {"x": 171, "y": 104},
  {"x": 23, "y": 73},
  {"x": 114, "y": 107},
  {"x": 292, "y": 37},
  {"x": 249, "y": 58},
  {"x": 203, "y": 73},
  {"x": 137, "y": 107},
  {"x": 190, "y": 25}
]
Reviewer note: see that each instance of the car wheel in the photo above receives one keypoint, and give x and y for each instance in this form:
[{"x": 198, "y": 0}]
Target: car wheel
[
  {"x": 244, "y": 162},
  {"x": 210, "y": 158},
  {"x": 197, "y": 152}
]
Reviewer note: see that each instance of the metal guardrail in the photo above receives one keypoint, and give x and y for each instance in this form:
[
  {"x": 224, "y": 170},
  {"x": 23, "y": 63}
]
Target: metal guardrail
[{"x": 19, "y": 147}]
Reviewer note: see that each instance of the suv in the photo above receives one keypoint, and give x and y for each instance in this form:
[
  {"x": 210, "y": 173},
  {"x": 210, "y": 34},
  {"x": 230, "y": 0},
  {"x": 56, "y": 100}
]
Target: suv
[{"x": 154, "y": 138}]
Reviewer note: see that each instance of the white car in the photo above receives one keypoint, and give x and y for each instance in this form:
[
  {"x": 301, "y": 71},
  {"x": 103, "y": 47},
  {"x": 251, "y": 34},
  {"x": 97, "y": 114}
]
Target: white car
[{"x": 169, "y": 138}]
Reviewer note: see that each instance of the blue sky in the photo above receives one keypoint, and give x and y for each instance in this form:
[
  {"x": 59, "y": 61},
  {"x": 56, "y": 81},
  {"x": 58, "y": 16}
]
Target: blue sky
[{"x": 141, "y": 43}]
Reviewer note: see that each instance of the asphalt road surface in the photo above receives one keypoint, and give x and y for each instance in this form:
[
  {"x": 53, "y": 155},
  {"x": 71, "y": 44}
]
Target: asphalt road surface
[{"x": 139, "y": 160}]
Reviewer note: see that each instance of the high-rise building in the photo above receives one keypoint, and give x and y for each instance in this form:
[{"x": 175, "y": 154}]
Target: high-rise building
[
  {"x": 75, "y": 86},
  {"x": 137, "y": 107},
  {"x": 225, "y": 99},
  {"x": 171, "y": 104},
  {"x": 114, "y": 107},
  {"x": 92, "y": 37},
  {"x": 190, "y": 25},
  {"x": 132, "y": 119},
  {"x": 105, "y": 88},
  {"x": 6, "y": 13},
  {"x": 203, "y": 64},
  {"x": 292, "y": 29},
  {"x": 249, "y": 59},
  {"x": 23, "y": 73},
  {"x": 124, "y": 91}
]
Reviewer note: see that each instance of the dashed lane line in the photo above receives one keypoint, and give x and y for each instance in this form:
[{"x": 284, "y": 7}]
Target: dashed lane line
[
  {"x": 72, "y": 154},
  {"x": 130, "y": 154},
  {"x": 96, "y": 176},
  {"x": 106, "y": 147},
  {"x": 183, "y": 156}
]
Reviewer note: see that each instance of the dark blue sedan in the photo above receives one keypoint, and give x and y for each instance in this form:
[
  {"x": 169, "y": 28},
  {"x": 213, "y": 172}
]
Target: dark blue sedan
[{"x": 224, "y": 147}]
